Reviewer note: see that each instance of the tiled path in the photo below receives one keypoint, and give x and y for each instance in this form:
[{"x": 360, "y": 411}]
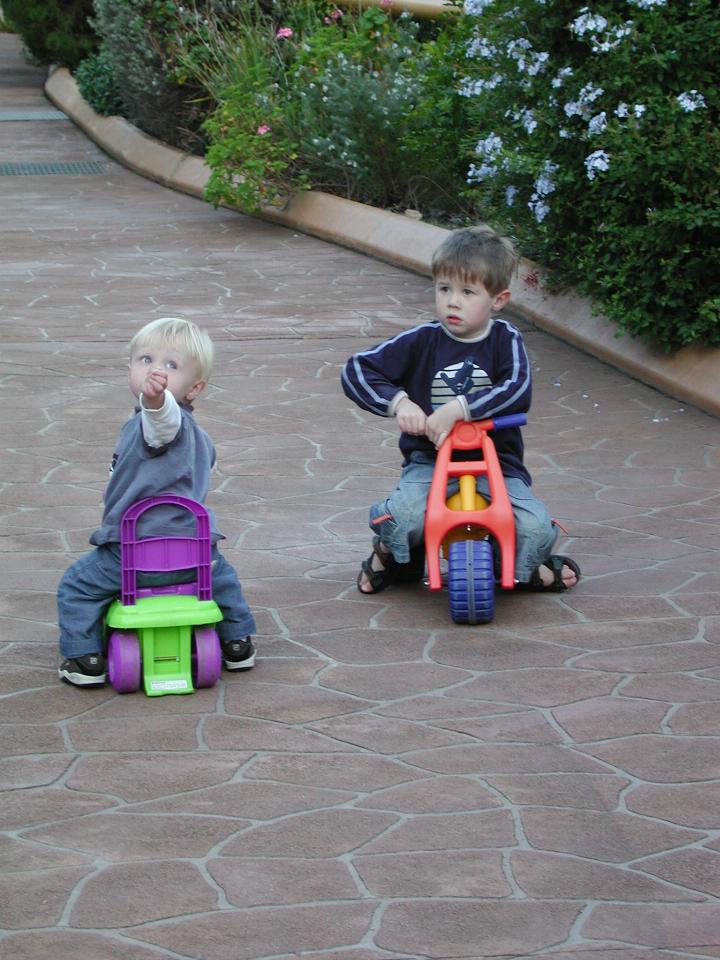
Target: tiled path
[{"x": 384, "y": 784}]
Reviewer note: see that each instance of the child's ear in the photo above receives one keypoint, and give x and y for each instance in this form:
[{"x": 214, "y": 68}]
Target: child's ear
[
  {"x": 501, "y": 300},
  {"x": 195, "y": 390}
]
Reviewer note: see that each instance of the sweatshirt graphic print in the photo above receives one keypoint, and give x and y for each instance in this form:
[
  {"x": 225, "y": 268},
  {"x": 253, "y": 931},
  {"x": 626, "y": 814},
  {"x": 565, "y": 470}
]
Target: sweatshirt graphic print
[{"x": 490, "y": 375}]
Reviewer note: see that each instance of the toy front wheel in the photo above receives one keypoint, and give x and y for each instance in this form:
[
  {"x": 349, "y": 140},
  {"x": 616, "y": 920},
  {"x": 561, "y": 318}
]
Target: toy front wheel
[
  {"x": 206, "y": 657},
  {"x": 471, "y": 581},
  {"x": 124, "y": 663}
]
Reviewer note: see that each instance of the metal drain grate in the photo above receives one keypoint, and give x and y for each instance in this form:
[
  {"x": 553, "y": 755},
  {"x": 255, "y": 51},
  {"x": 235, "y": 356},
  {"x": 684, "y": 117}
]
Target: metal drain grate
[
  {"x": 50, "y": 169},
  {"x": 47, "y": 114}
]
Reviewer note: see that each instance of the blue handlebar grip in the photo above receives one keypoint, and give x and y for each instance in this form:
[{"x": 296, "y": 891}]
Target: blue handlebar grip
[{"x": 511, "y": 420}]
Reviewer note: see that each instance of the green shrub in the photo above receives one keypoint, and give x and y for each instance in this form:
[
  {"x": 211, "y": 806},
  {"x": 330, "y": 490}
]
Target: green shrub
[
  {"x": 373, "y": 113},
  {"x": 238, "y": 62},
  {"x": 139, "y": 37},
  {"x": 52, "y": 31},
  {"x": 594, "y": 138},
  {"x": 360, "y": 105},
  {"x": 96, "y": 83}
]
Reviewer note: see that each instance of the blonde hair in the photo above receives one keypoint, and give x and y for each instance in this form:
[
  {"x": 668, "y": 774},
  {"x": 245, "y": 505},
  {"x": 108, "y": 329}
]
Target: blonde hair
[
  {"x": 184, "y": 336},
  {"x": 476, "y": 254}
]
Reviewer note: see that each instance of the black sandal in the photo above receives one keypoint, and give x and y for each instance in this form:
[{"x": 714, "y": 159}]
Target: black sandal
[
  {"x": 555, "y": 563},
  {"x": 377, "y": 579}
]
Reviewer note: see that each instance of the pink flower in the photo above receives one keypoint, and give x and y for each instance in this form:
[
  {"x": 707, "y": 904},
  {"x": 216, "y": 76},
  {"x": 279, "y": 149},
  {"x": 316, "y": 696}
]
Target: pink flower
[
  {"x": 333, "y": 17},
  {"x": 284, "y": 33},
  {"x": 263, "y": 129},
  {"x": 386, "y": 4}
]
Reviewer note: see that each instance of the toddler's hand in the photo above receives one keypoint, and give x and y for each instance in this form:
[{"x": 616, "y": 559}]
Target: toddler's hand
[
  {"x": 410, "y": 417},
  {"x": 441, "y": 422},
  {"x": 154, "y": 389}
]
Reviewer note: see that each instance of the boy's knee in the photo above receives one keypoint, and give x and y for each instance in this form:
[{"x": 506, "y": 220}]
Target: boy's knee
[{"x": 535, "y": 529}]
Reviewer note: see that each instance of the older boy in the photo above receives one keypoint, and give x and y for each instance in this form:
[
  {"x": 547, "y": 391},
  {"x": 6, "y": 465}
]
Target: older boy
[
  {"x": 161, "y": 449},
  {"x": 466, "y": 365}
]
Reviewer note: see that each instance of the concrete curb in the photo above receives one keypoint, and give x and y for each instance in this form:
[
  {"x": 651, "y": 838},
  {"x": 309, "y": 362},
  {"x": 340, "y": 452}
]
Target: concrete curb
[{"x": 690, "y": 375}]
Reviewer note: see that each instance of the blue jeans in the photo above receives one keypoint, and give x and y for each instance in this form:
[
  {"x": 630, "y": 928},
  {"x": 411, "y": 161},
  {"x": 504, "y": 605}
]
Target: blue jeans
[
  {"x": 89, "y": 586},
  {"x": 402, "y": 528}
]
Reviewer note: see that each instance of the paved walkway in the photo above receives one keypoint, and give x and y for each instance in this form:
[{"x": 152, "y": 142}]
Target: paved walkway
[{"x": 384, "y": 784}]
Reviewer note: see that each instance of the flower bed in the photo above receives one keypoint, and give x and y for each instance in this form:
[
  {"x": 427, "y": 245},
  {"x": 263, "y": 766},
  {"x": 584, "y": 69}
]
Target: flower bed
[{"x": 590, "y": 133}]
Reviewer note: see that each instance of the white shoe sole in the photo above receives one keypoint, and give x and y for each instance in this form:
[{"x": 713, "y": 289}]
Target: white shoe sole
[
  {"x": 241, "y": 664},
  {"x": 82, "y": 679}
]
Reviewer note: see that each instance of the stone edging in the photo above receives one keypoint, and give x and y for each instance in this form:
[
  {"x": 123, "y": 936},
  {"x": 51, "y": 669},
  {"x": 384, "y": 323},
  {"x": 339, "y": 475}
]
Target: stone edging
[{"x": 691, "y": 375}]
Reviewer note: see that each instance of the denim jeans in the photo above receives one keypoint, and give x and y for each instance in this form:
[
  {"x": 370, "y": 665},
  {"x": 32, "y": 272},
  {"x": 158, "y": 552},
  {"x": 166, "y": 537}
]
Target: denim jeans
[
  {"x": 89, "y": 586},
  {"x": 403, "y": 513}
]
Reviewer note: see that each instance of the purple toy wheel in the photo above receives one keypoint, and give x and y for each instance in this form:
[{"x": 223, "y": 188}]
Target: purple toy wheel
[
  {"x": 124, "y": 667},
  {"x": 206, "y": 657}
]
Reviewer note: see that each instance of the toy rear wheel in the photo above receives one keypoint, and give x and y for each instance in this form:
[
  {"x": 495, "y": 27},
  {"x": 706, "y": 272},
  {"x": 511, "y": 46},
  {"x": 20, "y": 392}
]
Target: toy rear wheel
[
  {"x": 471, "y": 581},
  {"x": 124, "y": 663},
  {"x": 206, "y": 657}
]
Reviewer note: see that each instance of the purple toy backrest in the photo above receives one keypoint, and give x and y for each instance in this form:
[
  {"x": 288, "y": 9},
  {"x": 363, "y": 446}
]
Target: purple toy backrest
[{"x": 165, "y": 553}]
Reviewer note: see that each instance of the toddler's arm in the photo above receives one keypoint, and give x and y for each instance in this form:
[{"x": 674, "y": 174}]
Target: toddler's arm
[
  {"x": 442, "y": 420},
  {"x": 410, "y": 417},
  {"x": 159, "y": 411}
]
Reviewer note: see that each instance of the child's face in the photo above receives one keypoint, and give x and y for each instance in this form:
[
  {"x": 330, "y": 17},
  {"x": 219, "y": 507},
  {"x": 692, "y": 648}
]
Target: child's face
[
  {"x": 180, "y": 369},
  {"x": 463, "y": 308}
]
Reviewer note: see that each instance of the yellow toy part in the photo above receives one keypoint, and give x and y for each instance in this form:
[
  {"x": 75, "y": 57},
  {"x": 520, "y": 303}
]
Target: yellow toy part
[{"x": 467, "y": 498}]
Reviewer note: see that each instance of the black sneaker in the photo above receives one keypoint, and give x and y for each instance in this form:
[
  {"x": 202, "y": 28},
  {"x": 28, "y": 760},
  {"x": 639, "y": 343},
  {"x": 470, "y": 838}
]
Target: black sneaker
[
  {"x": 85, "y": 671},
  {"x": 238, "y": 654}
]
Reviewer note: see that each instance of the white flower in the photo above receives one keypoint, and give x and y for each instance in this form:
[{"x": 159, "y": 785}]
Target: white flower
[
  {"x": 488, "y": 150},
  {"x": 647, "y": 4},
  {"x": 472, "y": 88},
  {"x": 538, "y": 207},
  {"x": 490, "y": 146},
  {"x": 537, "y": 63},
  {"x": 589, "y": 93},
  {"x": 564, "y": 134},
  {"x": 622, "y": 110},
  {"x": 562, "y": 76},
  {"x": 573, "y": 109},
  {"x": 475, "y": 8},
  {"x": 525, "y": 117},
  {"x": 476, "y": 174},
  {"x": 692, "y": 100},
  {"x": 587, "y": 23},
  {"x": 510, "y": 195},
  {"x": 479, "y": 47},
  {"x": 597, "y": 124},
  {"x": 544, "y": 183},
  {"x": 598, "y": 161},
  {"x": 639, "y": 109},
  {"x": 612, "y": 38}
]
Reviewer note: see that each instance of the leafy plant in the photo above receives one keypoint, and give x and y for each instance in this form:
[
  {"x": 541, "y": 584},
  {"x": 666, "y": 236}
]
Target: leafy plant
[
  {"x": 595, "y": 139},
  {"x": 96, "y": 82},
  {"x": 357, "y": 104},
  {"x": 239, "y": 63},
  {"x": 138, "y": 36},
  {"x": 52, "y": 31},
  {"x": 370, "y": 113}
]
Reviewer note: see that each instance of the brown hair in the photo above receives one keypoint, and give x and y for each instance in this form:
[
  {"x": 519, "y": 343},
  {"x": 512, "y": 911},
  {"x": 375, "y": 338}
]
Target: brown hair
[{"x": 476, "y": 254}]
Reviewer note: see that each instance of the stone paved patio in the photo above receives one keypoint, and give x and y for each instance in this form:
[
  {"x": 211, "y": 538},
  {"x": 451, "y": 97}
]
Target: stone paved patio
[{"x": 384, "y": 784}]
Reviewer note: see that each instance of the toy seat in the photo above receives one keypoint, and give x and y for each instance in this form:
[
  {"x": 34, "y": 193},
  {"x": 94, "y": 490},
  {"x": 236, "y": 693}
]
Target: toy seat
[
  {"x": 496, "y": 517},
  {"x": 162, "y": 617}
]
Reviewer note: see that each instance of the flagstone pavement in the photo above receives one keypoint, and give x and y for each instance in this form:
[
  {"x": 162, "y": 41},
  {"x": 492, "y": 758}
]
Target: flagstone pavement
[{"x": 384, "y": 784}]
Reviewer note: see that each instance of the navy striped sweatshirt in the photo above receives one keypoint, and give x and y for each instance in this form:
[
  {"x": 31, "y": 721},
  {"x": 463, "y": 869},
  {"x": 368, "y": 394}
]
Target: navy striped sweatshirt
[{"x": 491, "y": 377}]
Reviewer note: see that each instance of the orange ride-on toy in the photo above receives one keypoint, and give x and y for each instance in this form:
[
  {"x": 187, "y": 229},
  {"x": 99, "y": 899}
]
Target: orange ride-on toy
[{"x": 465, "y": 525}]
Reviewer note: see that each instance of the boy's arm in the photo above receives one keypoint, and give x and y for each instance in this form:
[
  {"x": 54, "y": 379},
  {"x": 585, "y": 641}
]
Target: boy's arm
[
  {"x": 441, "y": 421},
  {"x": 374, "y": 379},
  {"x": 160, "y": 425}
]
